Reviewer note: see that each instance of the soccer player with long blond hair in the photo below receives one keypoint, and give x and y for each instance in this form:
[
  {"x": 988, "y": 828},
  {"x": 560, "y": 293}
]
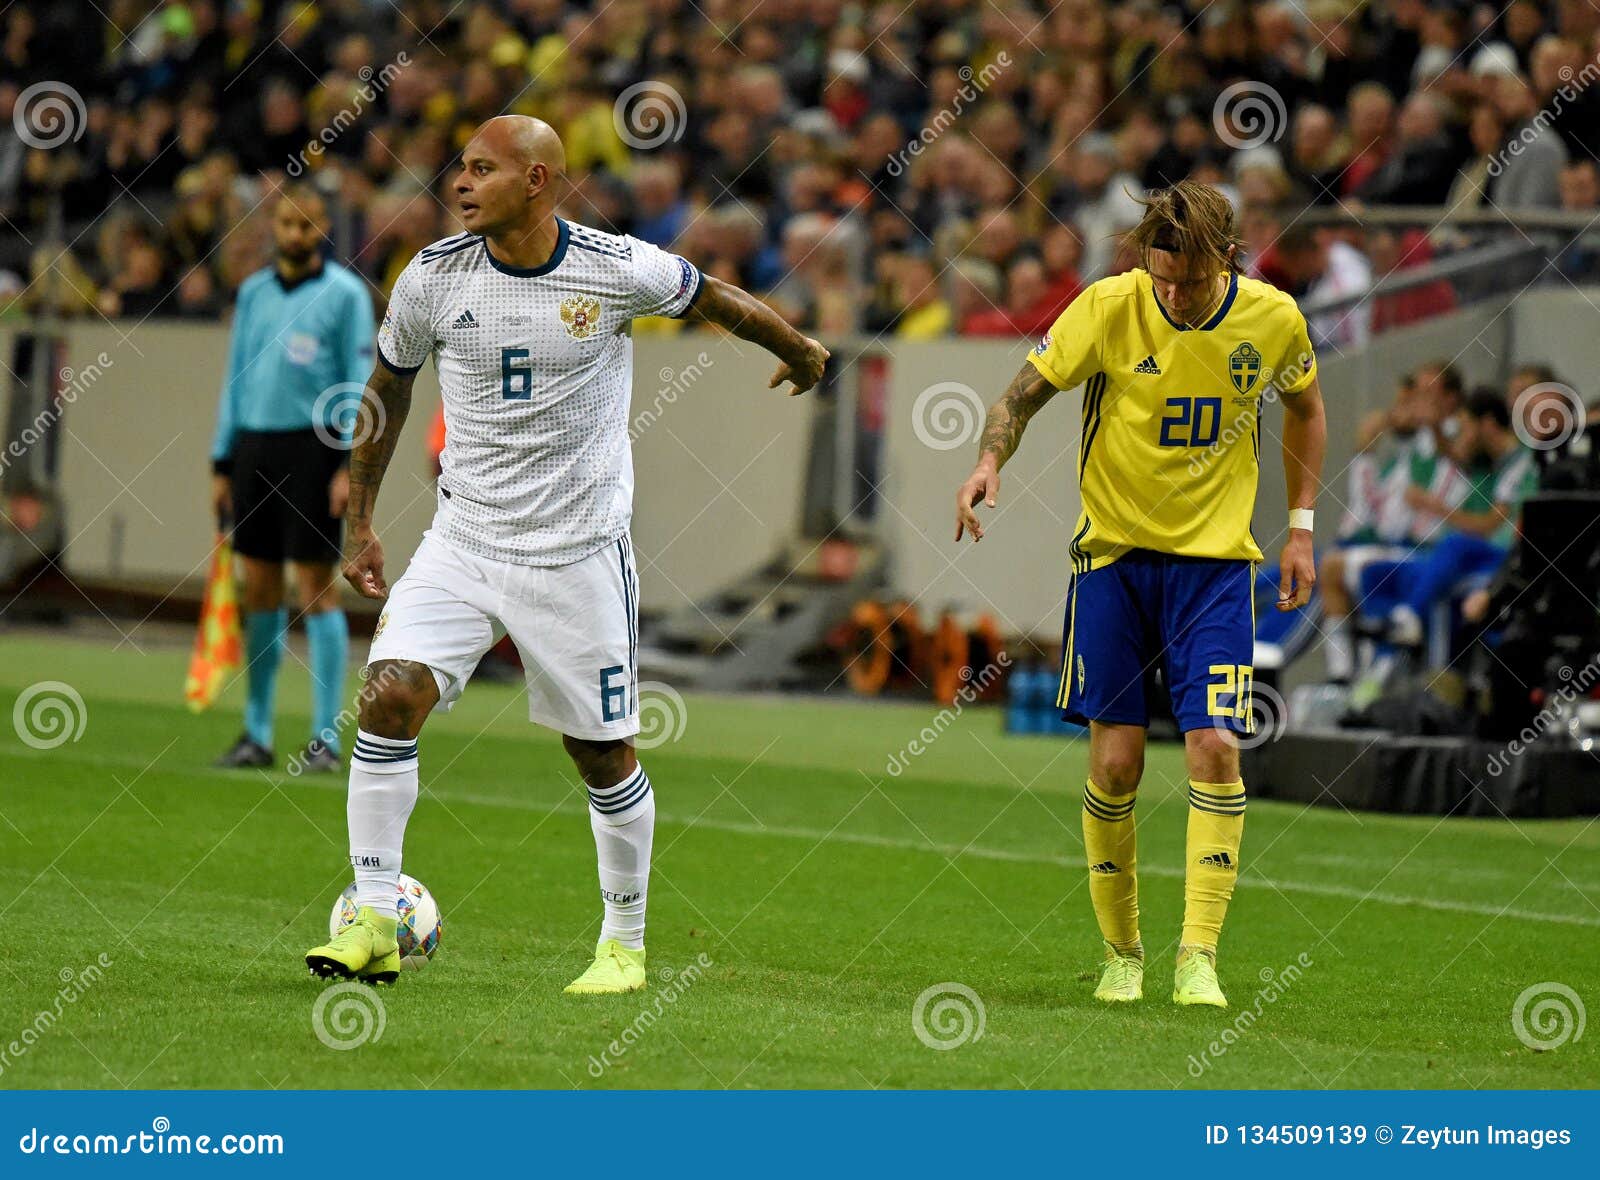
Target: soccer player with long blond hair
[{"x": 1177, "y": 360}]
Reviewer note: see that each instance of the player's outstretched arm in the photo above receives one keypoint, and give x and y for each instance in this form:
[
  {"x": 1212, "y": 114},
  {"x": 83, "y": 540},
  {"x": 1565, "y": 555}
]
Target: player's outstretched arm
[
  {"x": 1305, "y": 440},
  {"x": 749, "y": 319},
  {"x": 384, "y": 404},
  {"x": 1002, "y": 432}
]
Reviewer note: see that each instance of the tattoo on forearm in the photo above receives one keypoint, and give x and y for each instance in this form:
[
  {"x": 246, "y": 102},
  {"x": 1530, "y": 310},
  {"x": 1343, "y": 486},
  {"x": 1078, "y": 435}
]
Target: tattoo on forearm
[
  {"x": 748, "y": 318},
  {"x": 1008, "y": 417},
  {"x": 386, "y": 401}
]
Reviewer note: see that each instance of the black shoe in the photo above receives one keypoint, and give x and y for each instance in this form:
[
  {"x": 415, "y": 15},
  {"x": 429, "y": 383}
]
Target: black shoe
[
  {"x": 317, "y": 758},
  {"x": 247, "y": 753}
]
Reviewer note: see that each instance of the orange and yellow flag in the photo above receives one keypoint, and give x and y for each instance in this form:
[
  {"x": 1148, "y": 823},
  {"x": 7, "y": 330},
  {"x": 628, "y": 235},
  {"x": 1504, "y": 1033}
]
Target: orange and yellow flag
[{"x": 217, "y": 645}]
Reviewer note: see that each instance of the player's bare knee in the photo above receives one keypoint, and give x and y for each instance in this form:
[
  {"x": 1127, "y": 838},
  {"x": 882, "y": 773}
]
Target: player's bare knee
[
  {"x": 601, "y": 763},
  {"x": 396, "y": 698},
  {"x": 1213, "y": 755},
  {"x": 1119, "y": 773}
]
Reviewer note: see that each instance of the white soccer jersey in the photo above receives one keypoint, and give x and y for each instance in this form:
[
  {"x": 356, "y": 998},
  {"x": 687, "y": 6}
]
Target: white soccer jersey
[{"x": 536, "y": 369}]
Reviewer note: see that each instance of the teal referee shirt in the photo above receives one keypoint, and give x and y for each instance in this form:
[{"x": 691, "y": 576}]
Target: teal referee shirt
[{"x": 298, "y": 357}]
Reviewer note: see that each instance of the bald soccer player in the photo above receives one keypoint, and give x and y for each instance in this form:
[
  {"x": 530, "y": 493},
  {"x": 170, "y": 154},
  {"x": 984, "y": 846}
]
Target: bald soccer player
[{"x": 528, "y": 318}]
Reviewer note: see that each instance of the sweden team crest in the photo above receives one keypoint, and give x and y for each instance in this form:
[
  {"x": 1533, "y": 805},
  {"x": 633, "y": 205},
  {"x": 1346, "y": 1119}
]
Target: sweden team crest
[
  {"x": 1244, "y": 366},
  {"x": 581, "y": 315}
]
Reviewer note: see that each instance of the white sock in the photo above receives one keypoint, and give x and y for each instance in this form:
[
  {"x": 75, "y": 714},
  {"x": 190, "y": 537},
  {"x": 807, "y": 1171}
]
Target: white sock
[
  {"x": 1336, "y": 650},
  {"x": 623, "y": 818},
  {"x": 383, "y": 790}
]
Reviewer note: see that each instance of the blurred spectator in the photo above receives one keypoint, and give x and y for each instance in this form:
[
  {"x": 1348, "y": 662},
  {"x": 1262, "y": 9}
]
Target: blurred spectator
[
  {"x": 924, "y": 313},
  {"x": 1533, "y": 156},
  {"x": 903, "y": 130},
  {"x": 1369, "y": 117},
  {"x": 1100, "y": 201},
  {"x": 1391, "y": 253},
  {"x": 1556, "y": 69},
  {"x": 974, "y": 289},
  {"x": 659, "y": 210},
  {"x": 1423, "y": 163},
  {"x": 1029, "y": 308},
  {"x": 1479, "y": 530},
  {"x": 1402, "y": 455},
  {"x": 1486, "y": 131},
  {"x": 1579, "y": 257},
  {"x": 1317, "y": 160},
  {"x": 137, "y": 288},
  {"x": 1319, "y": 269}
]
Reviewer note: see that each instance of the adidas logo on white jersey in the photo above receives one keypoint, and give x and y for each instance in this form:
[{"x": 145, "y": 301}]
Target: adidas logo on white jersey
[
  {"x": 1148, "y": 366},
  {"x": 465, "y": 320}
]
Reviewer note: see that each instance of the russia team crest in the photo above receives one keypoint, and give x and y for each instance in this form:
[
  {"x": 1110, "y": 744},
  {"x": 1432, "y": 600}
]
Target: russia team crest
[{"x": 580, "y": 314}]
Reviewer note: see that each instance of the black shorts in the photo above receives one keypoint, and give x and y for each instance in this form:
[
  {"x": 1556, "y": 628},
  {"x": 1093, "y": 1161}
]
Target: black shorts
[{"x": 280, "y": 496}]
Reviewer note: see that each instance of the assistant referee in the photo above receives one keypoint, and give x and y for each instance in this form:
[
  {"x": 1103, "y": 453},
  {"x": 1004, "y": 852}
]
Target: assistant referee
[{"x": 300, "y": 351}]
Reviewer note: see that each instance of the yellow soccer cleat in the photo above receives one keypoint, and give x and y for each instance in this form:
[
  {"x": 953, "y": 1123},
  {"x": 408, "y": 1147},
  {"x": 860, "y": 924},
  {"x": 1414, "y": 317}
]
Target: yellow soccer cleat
[
  {"x": 1122, "y": 981},
  {"x": 365, "y": 950},
  {"x": 1196, "y": 980},
  {"x": 615, "y": 971}
]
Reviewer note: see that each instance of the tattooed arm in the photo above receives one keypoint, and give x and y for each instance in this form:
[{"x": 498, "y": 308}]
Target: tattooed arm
[
  {"x": 749, "y": 319},
  {"x": 384, "y": 405},
  {"x": 1002, "y": 432}
]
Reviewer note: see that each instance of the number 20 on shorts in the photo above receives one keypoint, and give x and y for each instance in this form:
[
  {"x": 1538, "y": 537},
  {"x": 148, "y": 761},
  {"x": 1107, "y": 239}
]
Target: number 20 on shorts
[{"x": 1230, "y": 696}]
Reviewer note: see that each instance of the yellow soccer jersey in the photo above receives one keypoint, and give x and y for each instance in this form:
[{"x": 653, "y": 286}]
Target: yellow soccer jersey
[{"x": 1170, "y": 451}]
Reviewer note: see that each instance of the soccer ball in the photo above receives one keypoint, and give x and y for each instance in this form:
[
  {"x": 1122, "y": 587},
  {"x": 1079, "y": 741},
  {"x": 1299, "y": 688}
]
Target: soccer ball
[{"x": 419, "y": 929}]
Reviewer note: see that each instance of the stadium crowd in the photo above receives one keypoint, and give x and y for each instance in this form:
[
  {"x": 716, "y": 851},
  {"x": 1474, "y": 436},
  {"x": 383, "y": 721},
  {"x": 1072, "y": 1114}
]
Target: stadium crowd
[{"x": 926, "y": 168}]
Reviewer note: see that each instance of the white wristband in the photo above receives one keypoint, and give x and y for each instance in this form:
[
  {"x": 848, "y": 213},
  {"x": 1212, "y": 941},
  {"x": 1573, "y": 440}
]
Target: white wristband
[{"x": 1300, "y": 518}]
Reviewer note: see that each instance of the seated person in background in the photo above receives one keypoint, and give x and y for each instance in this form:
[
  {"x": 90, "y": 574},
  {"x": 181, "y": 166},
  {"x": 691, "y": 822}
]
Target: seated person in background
[
  {"x": 1479, "y": 531},
  {"x": 1399, "y": 452}
]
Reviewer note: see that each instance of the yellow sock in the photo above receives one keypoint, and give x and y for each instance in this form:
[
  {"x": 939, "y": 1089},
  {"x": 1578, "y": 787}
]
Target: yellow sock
[
  {"x": 1216, "y": 824},
  {"x": 1113, "y": 879}
]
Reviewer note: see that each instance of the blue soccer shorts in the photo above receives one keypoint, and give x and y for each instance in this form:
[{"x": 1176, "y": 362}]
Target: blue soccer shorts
[{"x": 1191, "y": 617}]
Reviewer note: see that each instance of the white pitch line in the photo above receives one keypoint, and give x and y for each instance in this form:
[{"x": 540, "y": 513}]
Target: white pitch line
[{"x": 868, "y": 840}]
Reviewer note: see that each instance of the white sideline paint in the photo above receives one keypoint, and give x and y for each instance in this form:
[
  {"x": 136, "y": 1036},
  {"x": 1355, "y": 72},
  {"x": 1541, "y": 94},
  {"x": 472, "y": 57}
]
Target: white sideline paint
[{"x": 866, "y": 839}]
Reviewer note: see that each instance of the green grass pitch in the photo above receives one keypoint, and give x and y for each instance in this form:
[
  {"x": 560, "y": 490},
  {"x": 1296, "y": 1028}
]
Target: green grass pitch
[{"x": 824, "y": 894}]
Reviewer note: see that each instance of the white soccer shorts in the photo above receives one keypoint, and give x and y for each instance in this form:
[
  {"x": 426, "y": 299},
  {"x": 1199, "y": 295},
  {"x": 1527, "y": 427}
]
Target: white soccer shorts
[{"x": 576, "y": 626}]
